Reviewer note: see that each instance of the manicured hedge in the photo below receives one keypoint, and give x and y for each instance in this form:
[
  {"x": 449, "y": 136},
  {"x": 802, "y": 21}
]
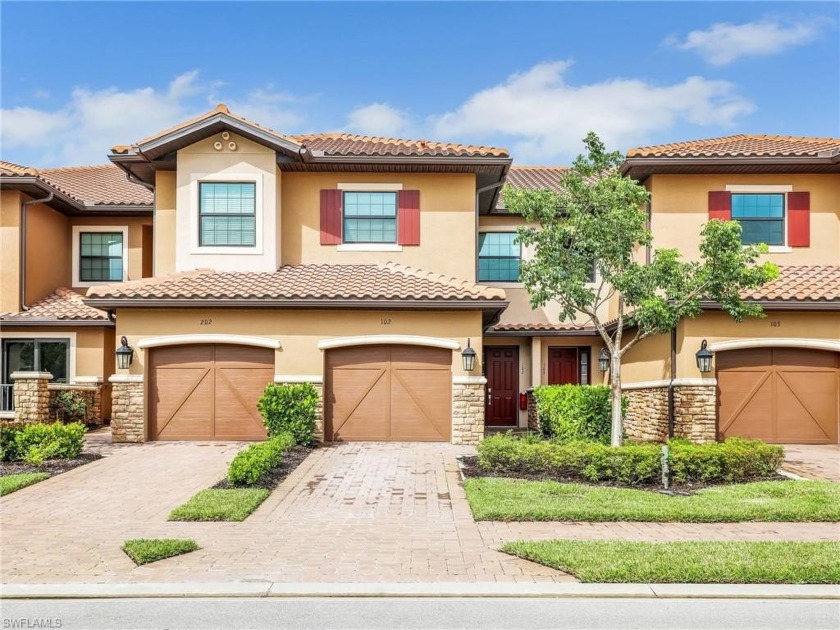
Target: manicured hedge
[
  {"x": 575, "y": 412},
  {"x": 290, "y": 409},
  {"x": 256, "y": 461},
  {"x": 731, "y": 461},
  {"x": 36, "y": 443}
]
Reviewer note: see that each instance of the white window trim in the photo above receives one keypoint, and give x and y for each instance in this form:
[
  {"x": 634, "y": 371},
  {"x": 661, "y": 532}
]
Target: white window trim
[
  {"x": 195, "y": 224},
  {"x": 369, "y": 187},
  {"x": 76, "y": 235},
  {"x": 71, "y": 367},
  {"x": 770, "y": 189}
]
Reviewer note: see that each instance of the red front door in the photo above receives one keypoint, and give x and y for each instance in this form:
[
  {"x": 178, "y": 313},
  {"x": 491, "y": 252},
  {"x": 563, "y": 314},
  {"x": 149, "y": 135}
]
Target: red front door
[
  {"x": 502, "y": 368},
  {"x": 563, "y": 366}
]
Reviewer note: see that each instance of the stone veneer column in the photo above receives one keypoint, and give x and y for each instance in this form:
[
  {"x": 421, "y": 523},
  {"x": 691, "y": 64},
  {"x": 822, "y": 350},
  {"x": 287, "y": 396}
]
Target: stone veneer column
[
  {"x": 695, "y": 411},
  {"x": 127, "y": 423},
  {"x": 468, "y": 409},
  {"x": 646, "y": 419},
  {"x": 31, "y": 396},
  {"x": 533, "y": 416}
]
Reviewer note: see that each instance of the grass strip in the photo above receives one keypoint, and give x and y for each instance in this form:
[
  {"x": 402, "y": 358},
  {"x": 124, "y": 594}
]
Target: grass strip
[
  {"x": 695, "y": 562},
  {"x": 146, "y": 550},
  {"x": 499, "y": 499},
  {"x": 12, "y": 483},
  {"x": 234, "y": 504}
]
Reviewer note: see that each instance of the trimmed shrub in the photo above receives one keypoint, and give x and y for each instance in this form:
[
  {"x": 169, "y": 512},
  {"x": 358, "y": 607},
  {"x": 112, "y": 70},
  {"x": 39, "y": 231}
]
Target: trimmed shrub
[
  {"x": 69, "y": 406},
  {"x": 632, "y": 464},
  {"x": 8, "y": 433},
  {"x": 290, "y": 409},
  {"x": 256, "y": 461},
  {"x": 575, "y": 412},
  {"x": 36, "y": 443}
]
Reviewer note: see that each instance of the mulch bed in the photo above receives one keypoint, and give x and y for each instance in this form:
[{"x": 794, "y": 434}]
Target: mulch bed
[
  {"x": 470, "y": 468},
  {"x": 52, "y": 466},
  {"x": 291, "y": 459}
]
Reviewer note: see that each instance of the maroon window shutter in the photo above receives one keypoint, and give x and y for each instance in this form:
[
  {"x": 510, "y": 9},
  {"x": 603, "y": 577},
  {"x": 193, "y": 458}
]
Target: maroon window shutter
[
  {"x": 330, "y": 217},
  {"x": 799, "y": 219},
  {"x": 408, "y": 217},
  {"x": 720, "y": 205}
]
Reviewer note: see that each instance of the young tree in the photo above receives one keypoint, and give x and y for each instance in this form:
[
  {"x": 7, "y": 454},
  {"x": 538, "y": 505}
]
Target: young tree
[{"x": 598, "y": 219}]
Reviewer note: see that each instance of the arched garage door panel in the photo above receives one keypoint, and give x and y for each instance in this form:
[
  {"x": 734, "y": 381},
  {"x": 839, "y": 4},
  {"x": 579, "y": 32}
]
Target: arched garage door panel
[
  {"x": 399, "y": 393},
  {"x": 208, "y": 392},
  {"x": 784, "y": 395}
]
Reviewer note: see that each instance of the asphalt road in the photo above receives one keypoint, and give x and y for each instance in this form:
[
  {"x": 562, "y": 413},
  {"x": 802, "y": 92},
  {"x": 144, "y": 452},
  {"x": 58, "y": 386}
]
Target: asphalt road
[{"x": 397, "y": 613}]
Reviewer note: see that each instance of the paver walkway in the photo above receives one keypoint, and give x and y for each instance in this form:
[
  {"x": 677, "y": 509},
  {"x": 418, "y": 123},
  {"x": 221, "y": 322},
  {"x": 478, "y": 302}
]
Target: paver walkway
[
  {"x": 813, "y": 461},
  {"x": 372, "y": 512}
]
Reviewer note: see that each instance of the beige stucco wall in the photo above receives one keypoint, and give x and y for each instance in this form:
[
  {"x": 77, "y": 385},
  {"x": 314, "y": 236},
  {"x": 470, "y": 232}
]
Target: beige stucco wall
[
  {"x": 249, "y": 162},
  {"x": 680, "y": 208},
  {"x": 447, "y": 221},
  {"x": 10, "y": 201},
  {"x": 648, "y": 360},
  {"x": 164, "y": 223},
  {"x": 299, "y": 331},
  {"x": 48, "y": 257}
]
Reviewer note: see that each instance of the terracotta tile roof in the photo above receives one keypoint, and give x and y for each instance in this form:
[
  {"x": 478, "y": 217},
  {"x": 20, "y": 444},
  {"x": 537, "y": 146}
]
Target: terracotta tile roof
[
  {"x": 742, "y": 145},
  {"x": 542, "y": 327},
  {"x": 536, "y": 176},
  {"x": 796, "y": 283},
  {"x": 105, "y": 184},
  {"x": 304, "y": 282},
  {"x": 341, "y": 144},
  {"x": 64, "y": 304},
  {"x": 10, "y": 168}
]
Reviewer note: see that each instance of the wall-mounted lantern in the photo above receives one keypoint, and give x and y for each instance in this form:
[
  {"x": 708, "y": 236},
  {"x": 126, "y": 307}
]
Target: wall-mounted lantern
[
  {"x": 468, "y": 358},
  {"x": 125, "y": 354},
  {"x": 704, "y": 358},
  {"x": 604, "y": 360}
]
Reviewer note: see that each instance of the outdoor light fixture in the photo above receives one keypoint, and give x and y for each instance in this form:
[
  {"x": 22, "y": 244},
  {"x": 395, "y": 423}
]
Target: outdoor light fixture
[
  {"x": 604, "y": 360},
  {"x": 468, "y": 358},
  {"x": 704, "y": 358},
  {"x": 125, "y": 354}
]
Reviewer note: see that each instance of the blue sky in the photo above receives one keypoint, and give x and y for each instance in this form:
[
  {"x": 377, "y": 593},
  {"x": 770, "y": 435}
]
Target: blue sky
[{"x": 534, "y": 77}]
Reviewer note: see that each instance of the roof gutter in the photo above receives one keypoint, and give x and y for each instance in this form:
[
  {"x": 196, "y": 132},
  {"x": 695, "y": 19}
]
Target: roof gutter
[
  {"x": 11, "y": 323},
  {"x": 22, "y": 269},
  {"x": 134, "y": 180},
  {"x": 314, "y": 304}
]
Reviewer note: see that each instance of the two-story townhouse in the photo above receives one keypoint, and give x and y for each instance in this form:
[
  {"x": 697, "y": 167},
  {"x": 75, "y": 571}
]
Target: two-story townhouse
[
  {"x": 778, "y": 377},
  {"x": 344, "y": 261},
  {"x": 63, "y": 230}
]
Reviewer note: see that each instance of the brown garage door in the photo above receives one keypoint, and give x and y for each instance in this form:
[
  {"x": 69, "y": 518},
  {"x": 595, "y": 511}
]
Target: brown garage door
[
  {"x": 783, "y": 395},
  {"x": 400, "y": 393},
  {"x": 208, "y": 392}
]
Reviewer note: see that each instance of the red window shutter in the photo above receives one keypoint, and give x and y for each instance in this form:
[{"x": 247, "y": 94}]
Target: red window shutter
[
  {"x": 330, "y": 217},
  {"x": 408, "y": 217},
  {"x": 799, "y": 219},
  {"x": 720, "y": 205}
]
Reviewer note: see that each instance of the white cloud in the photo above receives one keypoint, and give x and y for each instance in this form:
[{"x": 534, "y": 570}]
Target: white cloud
[
  {"x": 378, "y": 119},
  {"x": 723, "y": 43},
  {"x": 270, "y": 109},
  {"x": 547, "y": 117},
  {"x": 83, "y": 130}
]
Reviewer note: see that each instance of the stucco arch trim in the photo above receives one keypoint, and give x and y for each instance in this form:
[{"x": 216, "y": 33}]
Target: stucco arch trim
[
  {"x": 740, "y": 344},
  {"x": 375, "y": 340},
  {"x": 177, "y": 340}
]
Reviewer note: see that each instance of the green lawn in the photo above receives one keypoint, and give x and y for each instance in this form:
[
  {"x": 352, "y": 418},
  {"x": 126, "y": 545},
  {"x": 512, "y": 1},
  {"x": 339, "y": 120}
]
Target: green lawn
[
  {"x": 220, "y": 505},
  {"x": 11, "y": 483},
  {"x": 688, "y": 562},
  {"x": 496, "y": 499},
  {"x": 145, "y": 550}
]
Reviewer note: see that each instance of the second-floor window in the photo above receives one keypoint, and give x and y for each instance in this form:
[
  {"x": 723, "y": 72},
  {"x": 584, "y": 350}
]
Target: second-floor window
[
  {"x": 762, "y": 217},
  {"x": 100, "y": 256},
  {"x": 370, "y": 217},
  {"x": 499, "y": 254},
  {"x": 227, "y": 214}
]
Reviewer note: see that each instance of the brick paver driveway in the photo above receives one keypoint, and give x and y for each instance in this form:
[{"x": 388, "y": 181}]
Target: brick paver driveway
[
  {"x": 364, "y": 512},
  {"x": 814, "y": 461},
  {"x": 351, "y": 513}
]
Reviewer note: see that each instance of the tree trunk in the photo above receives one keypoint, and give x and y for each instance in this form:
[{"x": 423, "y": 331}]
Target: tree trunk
[{"x": 615, "y": 389}]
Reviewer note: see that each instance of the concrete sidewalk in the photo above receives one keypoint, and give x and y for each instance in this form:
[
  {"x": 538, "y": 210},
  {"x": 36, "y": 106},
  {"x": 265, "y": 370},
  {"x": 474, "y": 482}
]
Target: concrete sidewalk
[{"x": 421, "y": 589}]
